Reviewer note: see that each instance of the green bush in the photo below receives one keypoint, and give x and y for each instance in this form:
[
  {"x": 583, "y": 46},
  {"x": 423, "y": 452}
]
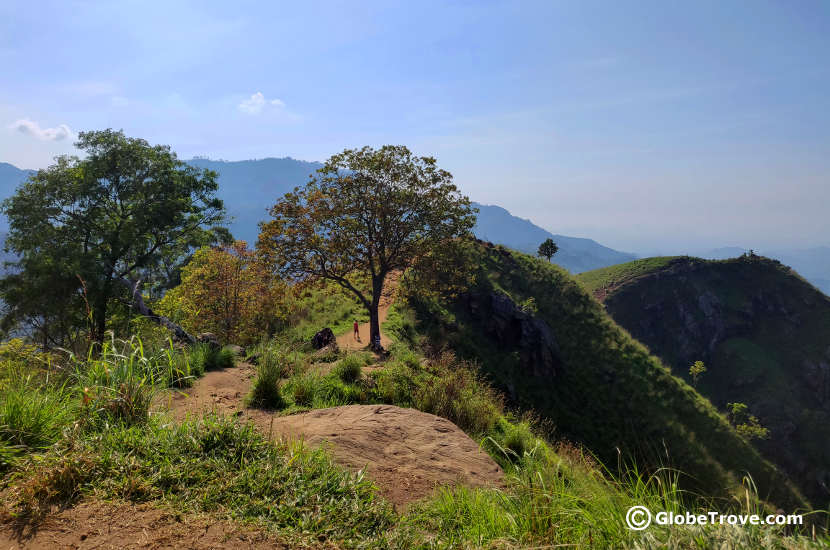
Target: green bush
[
  {"x": 265, "y": 392},
  {"x": 302, "y": 388},
  {"x": 457, "y": 394},
  {"x": 349, "y": 368},
  {"x": 34, "y": 417}
]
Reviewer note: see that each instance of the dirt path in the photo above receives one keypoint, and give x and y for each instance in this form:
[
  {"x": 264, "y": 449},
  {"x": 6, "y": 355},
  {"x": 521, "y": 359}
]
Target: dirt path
[
  {"x": 104, "y": 525},
  {"x": 347, "y": 341},
  {"x": 407, "y": 453}
]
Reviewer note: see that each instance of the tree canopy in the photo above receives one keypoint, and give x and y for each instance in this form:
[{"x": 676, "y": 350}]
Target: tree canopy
[
  {"x": 367, "y": 212},
  {"x": 547, "y": 249},
  {"x": 86, "y": 229}
]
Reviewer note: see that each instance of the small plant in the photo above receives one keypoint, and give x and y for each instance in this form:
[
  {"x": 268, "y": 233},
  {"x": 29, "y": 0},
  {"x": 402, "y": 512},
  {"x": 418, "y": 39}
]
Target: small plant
[
  {"x": 696, "y": 371},
  {"x": 746, "y": 424},
  {"x": 349, "y": 368},
  {"x": 302, "y": 388},
  {"x": 265, "y": 392}
]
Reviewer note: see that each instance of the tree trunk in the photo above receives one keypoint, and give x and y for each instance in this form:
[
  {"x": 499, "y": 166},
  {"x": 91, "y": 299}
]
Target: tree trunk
[
  {"x": 99, "y": 321},
  {"x": 374, "y": 327},
  {"x": 138, "y": 301},
  {"x": 374, "y": 315}
]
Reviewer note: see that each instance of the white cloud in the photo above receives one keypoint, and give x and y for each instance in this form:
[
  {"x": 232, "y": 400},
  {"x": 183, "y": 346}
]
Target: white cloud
[
  {"x": 32, "y": 128},
  {"x": 255, "y": 104}
]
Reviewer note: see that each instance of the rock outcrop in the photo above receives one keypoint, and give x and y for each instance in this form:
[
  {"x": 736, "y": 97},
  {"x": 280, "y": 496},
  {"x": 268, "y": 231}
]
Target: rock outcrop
[
  {"x": 513, "y": 329},
  {"x": 323, "y": 338}
]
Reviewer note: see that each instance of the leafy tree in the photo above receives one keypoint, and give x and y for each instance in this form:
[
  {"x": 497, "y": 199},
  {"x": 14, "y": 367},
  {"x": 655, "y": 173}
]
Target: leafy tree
[
  {"x": 547, "y": 249},
  {"x": 367, "y": 212},
  {"x": 85, "y": 229},
  {"x": 696, "y": 371},
  {"x": 227, "y": 291},
  {"x": 746, "y": 424}
]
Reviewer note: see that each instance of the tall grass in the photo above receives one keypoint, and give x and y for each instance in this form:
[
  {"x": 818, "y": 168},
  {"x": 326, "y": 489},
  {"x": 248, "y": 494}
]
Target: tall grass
[{"x": 272, "y": 366}]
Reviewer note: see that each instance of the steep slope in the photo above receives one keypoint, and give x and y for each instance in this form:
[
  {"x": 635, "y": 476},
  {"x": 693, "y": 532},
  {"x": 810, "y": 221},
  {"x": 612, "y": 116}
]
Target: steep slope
[
  {"x": 550, "y": 346},
  {"x": 497, "y": 225},
  {"x": 763, "y": 333}
]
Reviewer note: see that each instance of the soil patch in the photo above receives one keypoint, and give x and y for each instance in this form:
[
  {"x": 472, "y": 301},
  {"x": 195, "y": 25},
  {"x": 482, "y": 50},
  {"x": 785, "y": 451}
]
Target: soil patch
[
  {"x": 406, "y": 452},
  {"x": 105, "y": 525}
]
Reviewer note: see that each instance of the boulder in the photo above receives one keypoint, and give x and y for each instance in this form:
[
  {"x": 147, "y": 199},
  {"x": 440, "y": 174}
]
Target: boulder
[
  {"x": 210, "y": 339},
  {"x": 239, "y": 351},
  {"x": 323, "y": 338}
]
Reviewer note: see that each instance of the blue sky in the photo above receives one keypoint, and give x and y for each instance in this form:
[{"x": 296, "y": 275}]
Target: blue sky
[{"x": 644, "y": 125}]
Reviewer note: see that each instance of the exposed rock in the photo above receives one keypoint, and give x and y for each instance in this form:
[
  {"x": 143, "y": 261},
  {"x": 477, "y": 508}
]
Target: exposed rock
[
  {"x": 210, "y": 339},
  {"x": 239, "y": 351},
  {"x": 323, "y": 338},
  {"x": 513, "y": 329},
  {"x": 330, "y": 348}
]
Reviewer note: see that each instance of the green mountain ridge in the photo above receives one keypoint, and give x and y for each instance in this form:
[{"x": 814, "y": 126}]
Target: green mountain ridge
[
  {"x": 763, "y": 333},
  {"x": 547, "y": 343}
]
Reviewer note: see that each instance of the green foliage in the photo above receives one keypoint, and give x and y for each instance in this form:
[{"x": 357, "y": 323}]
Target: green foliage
[
  {"x": 33, "y": 416},
  {"x": 547, "y": 249},
  {"x": 696, "y": 371},
  {"x": 85, "y": 226},
  {"x": 265, "y": 392},
  {"x": 349, "y": 368},
  {"x": 367, "y": 212},
  {"x": 746, "y": 424},
  {"x": 608, "y": 392},
  {"x": 456, "y": 393},
  {"x": 205, "y": 357}
]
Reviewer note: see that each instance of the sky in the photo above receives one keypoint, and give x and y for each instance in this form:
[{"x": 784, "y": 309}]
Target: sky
[{"x": 647, "y": 126}]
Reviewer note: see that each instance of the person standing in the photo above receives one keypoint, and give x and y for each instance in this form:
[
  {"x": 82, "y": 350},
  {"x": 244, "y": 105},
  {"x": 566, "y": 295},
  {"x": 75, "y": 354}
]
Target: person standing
[{"x": 356, "y": 331}]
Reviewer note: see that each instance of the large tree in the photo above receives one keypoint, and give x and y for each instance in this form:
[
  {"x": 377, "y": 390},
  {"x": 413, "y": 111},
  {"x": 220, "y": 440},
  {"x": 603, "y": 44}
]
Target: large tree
[
  {"x": 367, "y": 212},
  {"x": 102, "y": 224}
]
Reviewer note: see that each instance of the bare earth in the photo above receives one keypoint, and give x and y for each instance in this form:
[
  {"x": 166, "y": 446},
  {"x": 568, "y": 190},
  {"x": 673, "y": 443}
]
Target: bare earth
[
  {"x": 103, "y": 525},
  {"x": 406, "y": 452}
]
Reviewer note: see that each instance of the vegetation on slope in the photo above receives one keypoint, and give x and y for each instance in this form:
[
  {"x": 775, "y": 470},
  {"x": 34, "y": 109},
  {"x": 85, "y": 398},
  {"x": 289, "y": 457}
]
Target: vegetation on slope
[
  {"x": 762, "y": 332},
  {"x": 608, "y": 393}
]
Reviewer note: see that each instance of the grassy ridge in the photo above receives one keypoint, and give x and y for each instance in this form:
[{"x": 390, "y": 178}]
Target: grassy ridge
[
  {"x": 615, "y": 275},
  {"x": 763, "y": 333},
  {"x": 611, "y": 395}
]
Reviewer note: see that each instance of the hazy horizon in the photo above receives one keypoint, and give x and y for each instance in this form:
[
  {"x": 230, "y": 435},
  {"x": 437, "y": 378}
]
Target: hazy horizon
[{"x": 645, "y": 127}]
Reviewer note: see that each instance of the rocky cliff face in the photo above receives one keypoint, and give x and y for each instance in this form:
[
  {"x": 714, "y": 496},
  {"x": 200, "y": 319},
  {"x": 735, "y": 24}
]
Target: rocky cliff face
[
  {"x": 764, "y": 335},
  {"x": 514, "y": 330}
]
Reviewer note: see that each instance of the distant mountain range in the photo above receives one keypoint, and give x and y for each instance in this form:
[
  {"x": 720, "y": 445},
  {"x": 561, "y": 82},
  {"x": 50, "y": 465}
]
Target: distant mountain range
[{"x": 250, "y": 187}]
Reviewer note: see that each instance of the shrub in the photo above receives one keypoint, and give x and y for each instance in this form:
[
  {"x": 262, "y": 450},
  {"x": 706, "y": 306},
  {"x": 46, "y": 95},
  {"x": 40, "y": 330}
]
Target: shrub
[
  {"x": 349, "y": 368},
  {"x": 457, "y": 394},
  {"x": 265, "y": 392},
  {"x": 303, "y": 387}
]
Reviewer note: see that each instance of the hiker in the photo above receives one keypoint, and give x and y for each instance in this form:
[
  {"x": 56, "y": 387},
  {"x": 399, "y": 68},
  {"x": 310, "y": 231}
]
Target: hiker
[{"x": 356, "y": 331}]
